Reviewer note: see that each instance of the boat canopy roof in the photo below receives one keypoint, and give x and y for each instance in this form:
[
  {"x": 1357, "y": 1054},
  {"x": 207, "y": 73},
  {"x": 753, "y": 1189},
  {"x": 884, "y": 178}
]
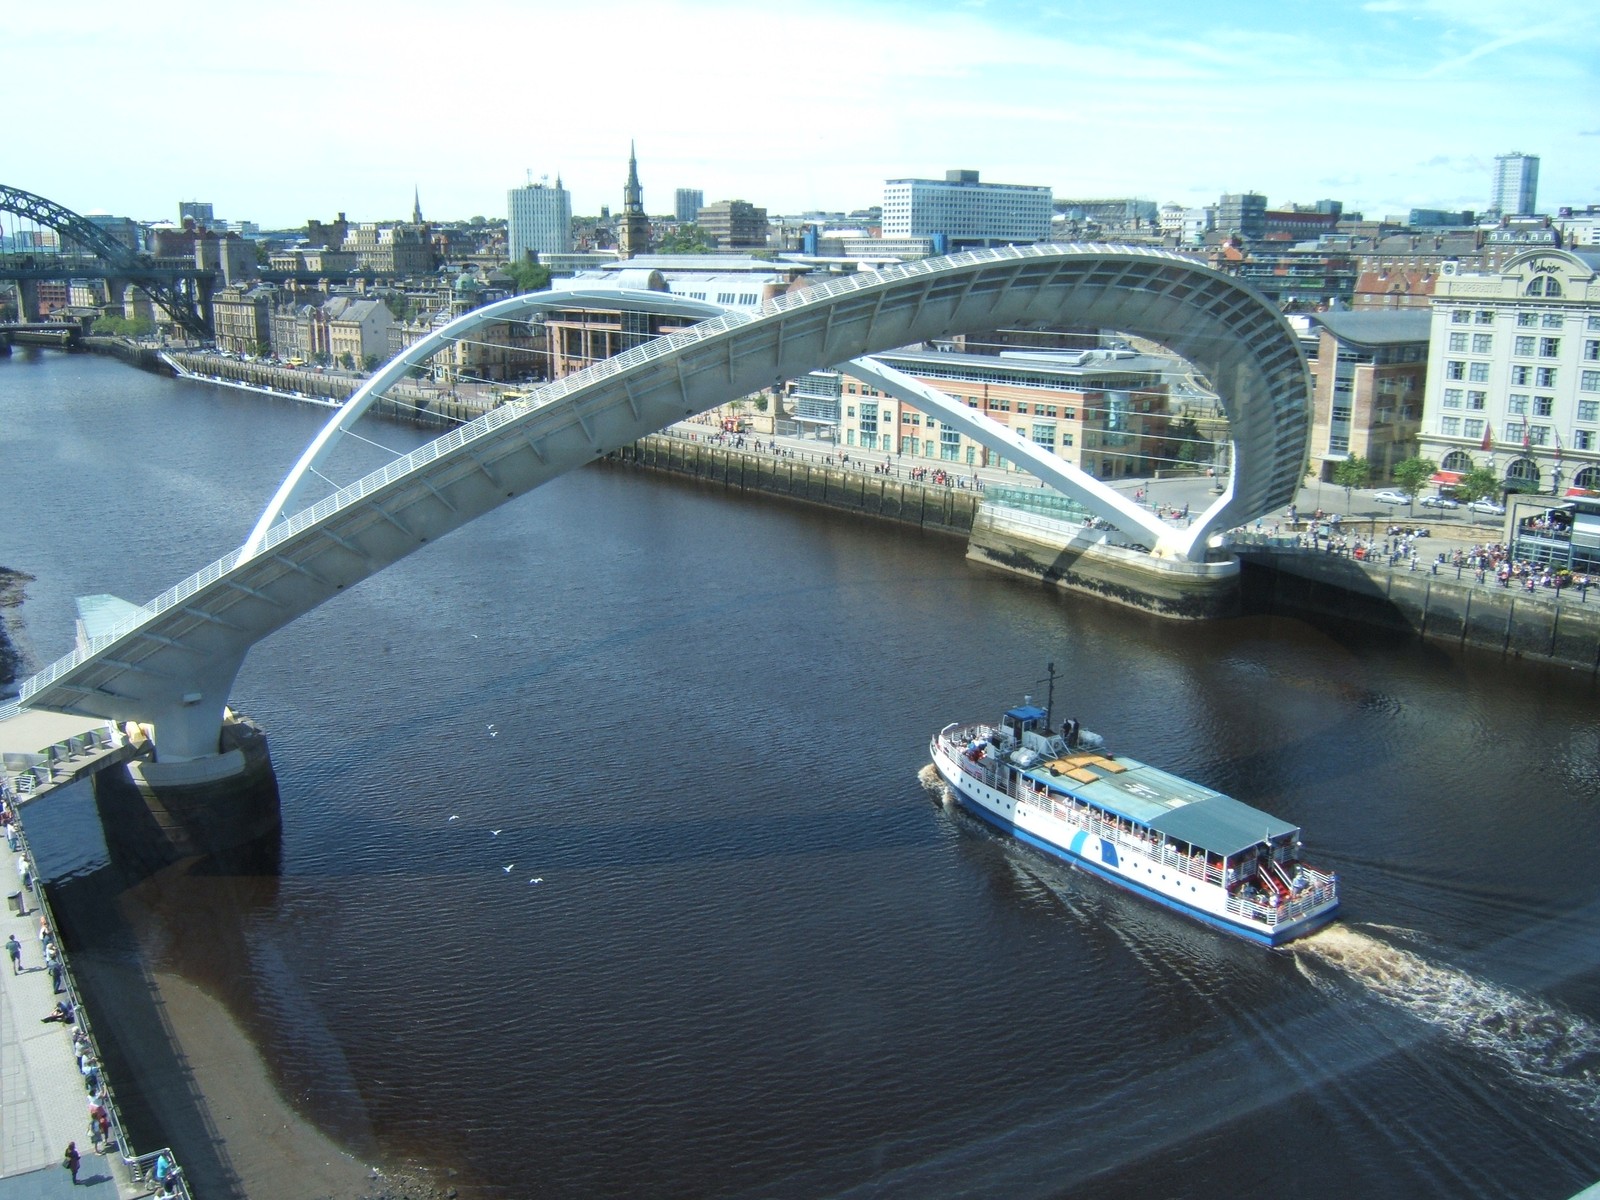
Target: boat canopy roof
[
  {"x": 1025, "y": 712},
  {"x": 1167, "y": 803}
]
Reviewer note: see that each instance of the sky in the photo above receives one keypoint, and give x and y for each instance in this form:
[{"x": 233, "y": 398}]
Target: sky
[{"x": 288, "y": 110}]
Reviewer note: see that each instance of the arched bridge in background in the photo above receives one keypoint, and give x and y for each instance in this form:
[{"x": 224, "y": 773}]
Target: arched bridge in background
[
  {"x": 173, "y": 663},
  {"x": 165, "y": 285}
]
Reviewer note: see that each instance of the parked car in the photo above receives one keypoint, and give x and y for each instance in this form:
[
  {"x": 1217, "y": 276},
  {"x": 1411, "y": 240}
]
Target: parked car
[
  {"x": 1390, "y": 496},
  {"x": 1488, "y": 506},
  {"x": 1440, "y": 502}
]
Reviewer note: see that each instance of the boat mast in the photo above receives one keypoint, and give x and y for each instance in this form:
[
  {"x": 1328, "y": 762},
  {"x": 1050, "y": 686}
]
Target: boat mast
[{"x": 1050, "y": 696}]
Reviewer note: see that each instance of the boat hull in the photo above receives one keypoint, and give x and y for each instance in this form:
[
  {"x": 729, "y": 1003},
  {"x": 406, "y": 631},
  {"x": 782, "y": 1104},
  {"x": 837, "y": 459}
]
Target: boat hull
[{"x": 1115, "y": 865}]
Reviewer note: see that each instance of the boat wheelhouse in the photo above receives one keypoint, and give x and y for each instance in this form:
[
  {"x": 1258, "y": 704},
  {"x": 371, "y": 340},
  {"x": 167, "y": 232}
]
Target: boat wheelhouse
[{"x": 1175, "y": 841}]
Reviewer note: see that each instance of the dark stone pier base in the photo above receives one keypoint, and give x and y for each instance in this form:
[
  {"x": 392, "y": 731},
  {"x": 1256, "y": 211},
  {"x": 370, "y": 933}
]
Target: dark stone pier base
[{"x": 156, "y": 813}]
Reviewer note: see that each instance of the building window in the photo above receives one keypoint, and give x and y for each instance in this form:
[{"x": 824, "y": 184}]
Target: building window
[
  {"x": 1482, "y": 343},
  {"x": 1475, "y": 400},
  {"x": 1516, "y": 404},
  {"x": 1526, "y": 320},
  {"x": 1452, "y": 397},
  {"x": 949, "y": 445},
  {"x": 1472, "y": 428},
  {"x": 1044, "y": 435},
  {"x": 1485, "y": 316},
  {"x": 1549, "y": 347},
  {"x": 1589, "y": 381},
  {"x": 1591, "y": 351},
  {"x": 1521, "y": 376},
  {"x": 1523, "y": 345},
  {"x": 1589, "y": 410},
  {"x": 1583, "y": 439},
  {"x": 1455, "y": 369},
  {"x": 1478, "y": 372},
  {"x": 1544, "y": 377},
  {"x": 1539, "y": 435},
  {"x": 1461, "y": 316},
  {"x": 1458, "y": 342},
  {"x": 1543, "y": 405},
  {"x": 1552, "y": 320},
  {"x": 1450, "y": 426}
]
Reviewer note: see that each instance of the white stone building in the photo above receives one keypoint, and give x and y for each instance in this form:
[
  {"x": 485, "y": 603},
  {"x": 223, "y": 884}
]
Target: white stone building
[
  {"x": 1514, "y": 373},
  {"x": 965, "y": 213}
]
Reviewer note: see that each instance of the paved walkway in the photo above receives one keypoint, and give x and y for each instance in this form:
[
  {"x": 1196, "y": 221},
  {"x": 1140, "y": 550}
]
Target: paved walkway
[{"x": 43, "y": 1101}]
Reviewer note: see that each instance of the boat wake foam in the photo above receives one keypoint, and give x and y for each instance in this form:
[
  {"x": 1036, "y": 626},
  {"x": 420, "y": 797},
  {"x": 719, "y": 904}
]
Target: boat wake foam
[{"x": 1539, "y": 1044}]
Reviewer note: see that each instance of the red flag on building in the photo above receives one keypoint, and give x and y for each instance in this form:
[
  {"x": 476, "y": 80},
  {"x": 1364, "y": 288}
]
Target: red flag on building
[
  {"x": 1488, "y": 436},
  {"x": 1558, "y": 445},
  {"x": 1524, "y": 433}
]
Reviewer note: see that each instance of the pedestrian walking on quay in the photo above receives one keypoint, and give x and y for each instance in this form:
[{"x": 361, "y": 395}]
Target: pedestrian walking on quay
[
  {"x": 69, "y": 1160},
  {"x": 14, "y": 948}
]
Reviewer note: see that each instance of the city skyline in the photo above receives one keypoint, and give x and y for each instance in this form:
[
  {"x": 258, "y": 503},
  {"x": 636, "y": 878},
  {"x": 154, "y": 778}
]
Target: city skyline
[{"x": 1386, "y": 105}]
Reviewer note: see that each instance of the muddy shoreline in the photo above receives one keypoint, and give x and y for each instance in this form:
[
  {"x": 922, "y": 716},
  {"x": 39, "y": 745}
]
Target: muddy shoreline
[{"x": 13, "y": 591}]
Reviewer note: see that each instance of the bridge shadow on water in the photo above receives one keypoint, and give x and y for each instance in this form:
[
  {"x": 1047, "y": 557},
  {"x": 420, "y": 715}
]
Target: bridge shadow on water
[{"x": 137, "y": 920}]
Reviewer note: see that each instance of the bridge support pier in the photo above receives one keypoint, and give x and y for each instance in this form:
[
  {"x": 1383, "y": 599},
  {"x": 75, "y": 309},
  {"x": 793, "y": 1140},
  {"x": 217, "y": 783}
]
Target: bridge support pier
[{"x": 159, "y": 812}]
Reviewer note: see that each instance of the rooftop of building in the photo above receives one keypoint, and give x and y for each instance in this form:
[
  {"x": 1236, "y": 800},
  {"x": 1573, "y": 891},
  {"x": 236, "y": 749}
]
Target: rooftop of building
[
  {"x": 723, "y": 264},
  {"x": 1378, "y": 327},
  {"x": 1072, "y": 363}
]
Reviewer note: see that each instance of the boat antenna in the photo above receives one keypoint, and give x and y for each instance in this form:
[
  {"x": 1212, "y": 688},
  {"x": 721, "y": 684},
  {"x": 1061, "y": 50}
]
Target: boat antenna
[{"x": 1050, "y": 696}]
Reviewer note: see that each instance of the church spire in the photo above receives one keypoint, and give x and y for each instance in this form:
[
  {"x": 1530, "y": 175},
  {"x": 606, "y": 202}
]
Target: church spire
[
  {"x": 633, "y": 238},
  {"x": 416, "y": 206}
]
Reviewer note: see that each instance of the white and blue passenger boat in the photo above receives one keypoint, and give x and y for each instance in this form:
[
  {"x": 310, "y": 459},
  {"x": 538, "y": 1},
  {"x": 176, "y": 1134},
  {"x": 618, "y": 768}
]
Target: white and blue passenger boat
[{"x": 1192, "y": 849}]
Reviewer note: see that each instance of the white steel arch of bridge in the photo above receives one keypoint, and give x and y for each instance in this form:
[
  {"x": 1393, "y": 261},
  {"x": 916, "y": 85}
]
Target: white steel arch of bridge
[{"x": 173, "y": 663}]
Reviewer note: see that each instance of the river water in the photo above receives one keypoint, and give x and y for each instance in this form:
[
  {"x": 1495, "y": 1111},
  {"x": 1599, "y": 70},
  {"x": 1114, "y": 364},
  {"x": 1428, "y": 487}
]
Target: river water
[{"x": 764, "y": 959}]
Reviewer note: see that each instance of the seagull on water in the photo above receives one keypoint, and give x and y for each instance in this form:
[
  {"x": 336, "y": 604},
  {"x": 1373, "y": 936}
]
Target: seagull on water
[
  {"x": 539, "y": 880},
  {"x": 507, "y": 868},
  {"x": 493, "y": 732},
  {"x": 495, "y": 832},
  {"x": 453, "y": 817}
]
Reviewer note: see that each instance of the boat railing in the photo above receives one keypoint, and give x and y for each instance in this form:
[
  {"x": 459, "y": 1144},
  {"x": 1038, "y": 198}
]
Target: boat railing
[
  {"x": 1322, "y": 889},
  {"x": 1082, "y": 816}
]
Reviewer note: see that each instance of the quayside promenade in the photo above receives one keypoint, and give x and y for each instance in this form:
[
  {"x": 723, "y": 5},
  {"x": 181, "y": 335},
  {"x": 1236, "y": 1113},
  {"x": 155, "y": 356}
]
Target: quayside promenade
[{"x": 52, "y": 1087}]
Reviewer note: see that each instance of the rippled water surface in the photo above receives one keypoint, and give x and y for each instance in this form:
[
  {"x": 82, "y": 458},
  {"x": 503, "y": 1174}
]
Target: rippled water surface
[{"x": 610, "y": 866}]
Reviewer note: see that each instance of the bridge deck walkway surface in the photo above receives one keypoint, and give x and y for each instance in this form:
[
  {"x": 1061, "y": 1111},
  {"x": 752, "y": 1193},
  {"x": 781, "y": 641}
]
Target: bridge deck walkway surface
[
  {"x": 34, "y": 731},
  {"x": 43, "y": 1101}
]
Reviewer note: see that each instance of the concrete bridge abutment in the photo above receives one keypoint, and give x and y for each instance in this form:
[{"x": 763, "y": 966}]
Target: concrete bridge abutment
[{"x": 1085, "y": 562}]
